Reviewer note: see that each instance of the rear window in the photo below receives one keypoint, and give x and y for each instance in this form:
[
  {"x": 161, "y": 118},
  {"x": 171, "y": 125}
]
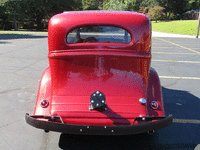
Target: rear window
[{"x": 98, "y": 34}]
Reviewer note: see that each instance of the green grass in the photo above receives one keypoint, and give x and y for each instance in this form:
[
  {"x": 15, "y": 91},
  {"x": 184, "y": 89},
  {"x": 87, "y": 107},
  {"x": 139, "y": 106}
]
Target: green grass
[
  {"x": 185, "y": 27},
  {"x": 22, "y": 32}
]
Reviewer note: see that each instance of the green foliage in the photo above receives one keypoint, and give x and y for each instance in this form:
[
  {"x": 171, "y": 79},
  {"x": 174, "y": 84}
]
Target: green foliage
[
  {"x": 156, "y": 13},
  {"x": 3, "y": 14},
  {"x": 11, "y": 13},
  {"x": 143, "y": 10},
  {"x": 37, "y": 10},
  {"x": 174, "y": 6},
  {"x": 3, "y": 17},
  {"x": 59, "y": 6},
  {"x": 134, "y": 5},
  {"x": 34, "y": 10},
  {"x": 92, "y": 4},
  {"x": 13, "y": 9},
  {"x": 187, "y": 27},
  {"x": 119, "y": 4},
  {"x": 2, "y": 2},
  {"x": 194, "y": 4},
  {"x": 149, "y": 3},
  {"x": 41, "y": 9},
  {"x": 181, "y": 6}
]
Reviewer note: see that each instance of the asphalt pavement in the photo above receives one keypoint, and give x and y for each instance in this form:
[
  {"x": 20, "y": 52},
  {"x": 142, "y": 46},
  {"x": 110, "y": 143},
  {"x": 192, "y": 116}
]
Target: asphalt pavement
[{"x": 23, "y": 58}]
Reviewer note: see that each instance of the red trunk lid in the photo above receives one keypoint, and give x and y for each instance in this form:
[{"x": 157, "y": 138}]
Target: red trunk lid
[{"x": 121, "y": 79}]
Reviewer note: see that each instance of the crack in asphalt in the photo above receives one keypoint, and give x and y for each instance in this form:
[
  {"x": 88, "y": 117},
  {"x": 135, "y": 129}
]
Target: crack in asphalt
[
  {"x": 3, "y": 126},
  {"x": 21, "y": 75},
  {"x": 18, "y": 89},
  {"x": 27, "y": 66}
]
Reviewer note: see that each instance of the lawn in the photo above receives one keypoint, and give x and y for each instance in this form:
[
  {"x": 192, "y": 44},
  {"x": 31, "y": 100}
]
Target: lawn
[
  {"x": 21, "y": 32},
  {"x": 186, "y": 27}
]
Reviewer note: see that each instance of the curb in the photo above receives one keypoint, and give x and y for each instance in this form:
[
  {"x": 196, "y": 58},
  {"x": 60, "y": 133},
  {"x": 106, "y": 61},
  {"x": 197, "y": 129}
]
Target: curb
[{"x": 161, "y": 34}]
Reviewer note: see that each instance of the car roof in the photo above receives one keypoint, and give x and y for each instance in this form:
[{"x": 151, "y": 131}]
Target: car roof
[
  {"x": 124, "y": 19},
  {"x": 137, "y": 24}
]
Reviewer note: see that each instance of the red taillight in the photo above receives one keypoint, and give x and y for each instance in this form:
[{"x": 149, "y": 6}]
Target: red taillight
[
  {"x": 44, "y": 103},
  {"x": 154, "y": 105}
]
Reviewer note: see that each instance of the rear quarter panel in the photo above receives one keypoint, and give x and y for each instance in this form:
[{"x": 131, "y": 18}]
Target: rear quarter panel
[
  {"x": 155, "y": 94},
  {"x": 44, "y": 93}
]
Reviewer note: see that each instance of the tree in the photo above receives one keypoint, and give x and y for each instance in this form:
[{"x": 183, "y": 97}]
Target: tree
[
  {"x": 194, "y": 4},
  {"x": 156, "y": 13},
  {"x": 134, "y": 5},
  {"x": 41, "y": 9},
  {"x": 35, "y": 10},
  {"x": 59, "y": 6},
  {"x": 2, "y": 2},
  {"x": 181, "y": 6},
  {"x": 174, "y": 6},
  {"x": 119, "y": 4},
  {"x": 92, "y": 4},
  {"x": 149, "y": 3},
  {"x": 12, "y": 13},
  {"x": 143, "y": 10},
  {"x": 3, "y": 17}
]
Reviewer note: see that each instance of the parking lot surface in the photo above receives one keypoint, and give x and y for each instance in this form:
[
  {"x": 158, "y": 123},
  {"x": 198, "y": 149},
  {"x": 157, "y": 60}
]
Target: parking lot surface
[{"x": 23, "y": 58}]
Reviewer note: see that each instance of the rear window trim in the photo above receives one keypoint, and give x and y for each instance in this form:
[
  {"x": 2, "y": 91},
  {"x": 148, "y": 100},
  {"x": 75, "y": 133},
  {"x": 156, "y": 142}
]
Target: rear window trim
[{"x": 109, "y": 25}]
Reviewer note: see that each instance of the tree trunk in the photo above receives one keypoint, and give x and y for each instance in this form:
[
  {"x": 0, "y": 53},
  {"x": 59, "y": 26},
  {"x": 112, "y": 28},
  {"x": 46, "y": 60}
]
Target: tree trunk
[
  {"x": 198, "y": 26},
  {"x": 39, "y": 23},
  {"x": 15, "y": 23}
]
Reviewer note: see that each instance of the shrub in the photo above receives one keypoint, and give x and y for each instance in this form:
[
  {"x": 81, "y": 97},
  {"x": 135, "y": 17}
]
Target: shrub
[
  {"x": 156, "y": 13},
  {"x": 143, "y": 10}
]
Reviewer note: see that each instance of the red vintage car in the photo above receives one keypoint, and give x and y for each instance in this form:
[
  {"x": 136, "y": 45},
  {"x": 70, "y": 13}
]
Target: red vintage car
[{"x": 99, "y": 80}]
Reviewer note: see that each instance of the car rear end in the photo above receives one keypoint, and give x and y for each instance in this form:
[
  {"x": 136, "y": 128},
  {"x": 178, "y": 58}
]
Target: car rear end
[{"x": 99, "y": 64}]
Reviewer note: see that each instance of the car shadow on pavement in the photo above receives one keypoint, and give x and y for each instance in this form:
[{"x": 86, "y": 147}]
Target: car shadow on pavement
[
  {"x": 179, "y": 135},
  {"x": 181, "y": 104},
  {"x": 75, "y": 142},
  {"x": 20, "y": 36}
]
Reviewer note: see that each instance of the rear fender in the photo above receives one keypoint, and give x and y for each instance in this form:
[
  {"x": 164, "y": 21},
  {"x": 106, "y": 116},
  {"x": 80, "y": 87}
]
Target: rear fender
[
  {"x": 44, "y": 93},
  {"x": 154, "y": 94}
]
